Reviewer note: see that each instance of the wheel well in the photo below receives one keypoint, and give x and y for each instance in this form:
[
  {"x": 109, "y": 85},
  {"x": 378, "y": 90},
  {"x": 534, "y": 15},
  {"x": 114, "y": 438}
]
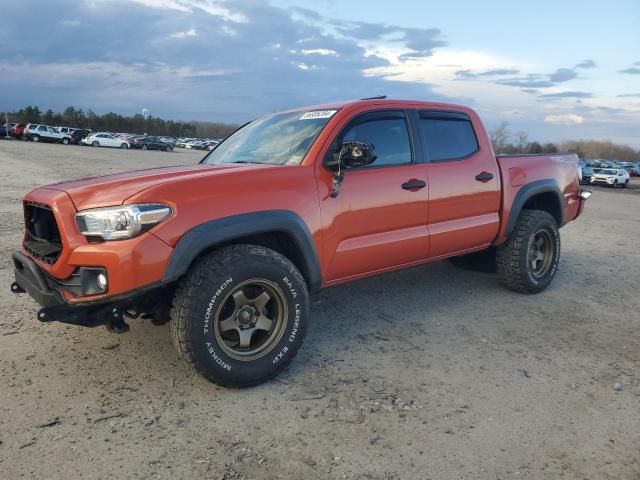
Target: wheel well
[
  {"x": 547, "y": 202},
  {"x": 281, "y": 242}
]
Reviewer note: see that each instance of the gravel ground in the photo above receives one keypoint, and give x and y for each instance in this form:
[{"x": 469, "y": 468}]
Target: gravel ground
[{"x": 432, "y": 372}]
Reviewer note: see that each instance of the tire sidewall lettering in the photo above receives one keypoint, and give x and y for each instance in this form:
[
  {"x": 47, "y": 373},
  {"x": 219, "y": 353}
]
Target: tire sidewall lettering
[{"x": 281, "y": 352}]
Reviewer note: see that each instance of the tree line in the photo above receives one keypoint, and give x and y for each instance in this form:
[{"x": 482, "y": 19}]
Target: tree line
[
  {"x": 113, "y": 122},
  {"x": 504, "y": 141}
]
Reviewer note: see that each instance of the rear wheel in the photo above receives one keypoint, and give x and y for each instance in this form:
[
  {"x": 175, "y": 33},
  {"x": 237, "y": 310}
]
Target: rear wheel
[
  {"x": 124, "y": 146},
  {"x": 239, "y": 316},
  {"x": 144, "y": 147},
  {"x": 528, "y": 261},
  {"x": 65, "y": 141},
  {"x": 35, "y": 138}
]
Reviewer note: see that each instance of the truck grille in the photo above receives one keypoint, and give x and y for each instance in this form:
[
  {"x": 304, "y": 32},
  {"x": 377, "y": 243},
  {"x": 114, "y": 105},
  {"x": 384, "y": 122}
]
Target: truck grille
[{"x": 42, "y": 238}]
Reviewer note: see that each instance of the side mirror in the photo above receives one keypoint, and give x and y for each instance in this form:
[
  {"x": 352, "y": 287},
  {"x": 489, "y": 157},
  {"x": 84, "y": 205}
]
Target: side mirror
[
  {"x": 356, "y": 154},
  {"x": 351, "y": 154}
]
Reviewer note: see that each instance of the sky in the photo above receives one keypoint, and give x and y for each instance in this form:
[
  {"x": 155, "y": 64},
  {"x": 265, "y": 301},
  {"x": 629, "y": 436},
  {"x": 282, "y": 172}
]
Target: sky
[{"x": 556, "y": 70}]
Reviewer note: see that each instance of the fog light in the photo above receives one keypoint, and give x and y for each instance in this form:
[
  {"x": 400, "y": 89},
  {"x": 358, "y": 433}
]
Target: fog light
[{"x": 101, "y": 281}]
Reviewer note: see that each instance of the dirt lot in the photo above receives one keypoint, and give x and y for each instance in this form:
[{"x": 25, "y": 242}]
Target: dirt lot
[{"x": 432, "y": 372}]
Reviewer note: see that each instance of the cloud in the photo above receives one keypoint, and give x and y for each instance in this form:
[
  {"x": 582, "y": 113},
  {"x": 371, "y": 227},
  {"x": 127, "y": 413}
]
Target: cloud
[
  {"x": 464, "y": 74},
  {"x": 586, "y": 64},
  {"x": 564, "y": 119},
  {"x": 230, "y": 60},
  {"x": 189, "y": 33},
  {"x": 629, "y": 95},
  {"x": 562, "y": 75},
  {"x": 532, "y": 91},
  {"x": 567, "y": 95},
  {"x": 529, "y": 81},
  {"x": 631, "y": 70},
  {"x": 420, "y": 41}
]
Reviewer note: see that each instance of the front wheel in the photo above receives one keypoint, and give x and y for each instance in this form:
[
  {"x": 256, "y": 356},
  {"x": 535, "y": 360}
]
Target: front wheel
[
  {"x": 625, "y": 184},
  {"x": 65, "y": 141},
  {"x": 124, "y": 146},
  {"x": 239, "y": 316},
  {"x": 528, "y": 261},
  {"x": 144, "y": 147},
  {"x": 95, "y": 144},
  {"x": 35, "y": 138}
]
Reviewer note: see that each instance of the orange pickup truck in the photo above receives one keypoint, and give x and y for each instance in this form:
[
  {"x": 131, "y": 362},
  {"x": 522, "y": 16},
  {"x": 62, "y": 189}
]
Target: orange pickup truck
[{"x": 228, "y": 250}]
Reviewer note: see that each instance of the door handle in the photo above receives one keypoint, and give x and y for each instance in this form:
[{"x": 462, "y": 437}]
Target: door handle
[
  {"x": 484, "y": 177},
  {"x": 414, "y": 184}
]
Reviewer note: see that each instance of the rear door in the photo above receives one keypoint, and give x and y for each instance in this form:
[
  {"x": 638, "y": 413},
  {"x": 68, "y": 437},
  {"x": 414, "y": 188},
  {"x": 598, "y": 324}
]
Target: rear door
[
  {"x": 464, "y": 183},
  {"x": 378, "y": 220}
]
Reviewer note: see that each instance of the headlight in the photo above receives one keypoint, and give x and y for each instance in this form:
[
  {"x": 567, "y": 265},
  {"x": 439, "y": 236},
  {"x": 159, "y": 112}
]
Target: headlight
[{"x": 119, "y": 223}]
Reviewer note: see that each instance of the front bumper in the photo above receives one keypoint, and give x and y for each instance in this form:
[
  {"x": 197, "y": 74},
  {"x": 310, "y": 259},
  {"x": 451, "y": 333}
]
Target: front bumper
[{"x": 109, "y": 311}]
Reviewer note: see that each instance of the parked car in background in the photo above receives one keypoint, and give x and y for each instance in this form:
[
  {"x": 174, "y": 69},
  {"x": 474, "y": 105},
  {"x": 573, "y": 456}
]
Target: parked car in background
[
  {"x": 150, "y": 143},
  {"x": 5, "y": 130},
  {"x": 18, "y": 130},
  {"x": 45, "y": 133},
  {"x": 587, "y": 174},
  {"x": 613, "y": 177},
  {"x": 67, "y": 130},
  {"x": 101, "y": 139},
  {"x": 79, "y": 134}
]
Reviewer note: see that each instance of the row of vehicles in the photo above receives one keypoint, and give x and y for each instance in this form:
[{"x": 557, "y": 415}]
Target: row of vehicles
[
  {"x": 79, "y": 136},
  {"x": 612, "y": 174},
  {"x": 197, "y": 143}
]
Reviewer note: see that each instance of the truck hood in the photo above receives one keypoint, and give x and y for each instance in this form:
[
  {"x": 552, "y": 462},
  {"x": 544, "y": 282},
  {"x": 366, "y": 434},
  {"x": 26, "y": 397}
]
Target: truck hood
[{"x": 109, "y": 190}]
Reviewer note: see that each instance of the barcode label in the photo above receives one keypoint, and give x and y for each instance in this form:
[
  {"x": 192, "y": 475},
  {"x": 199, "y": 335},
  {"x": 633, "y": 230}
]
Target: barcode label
[{"x": 318, "y": 114}]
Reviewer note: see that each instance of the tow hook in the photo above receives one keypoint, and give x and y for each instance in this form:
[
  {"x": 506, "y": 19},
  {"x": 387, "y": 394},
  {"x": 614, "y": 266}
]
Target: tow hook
[
  {"x": 116, "y": 323},
  {"x": 15, "y": 288}
]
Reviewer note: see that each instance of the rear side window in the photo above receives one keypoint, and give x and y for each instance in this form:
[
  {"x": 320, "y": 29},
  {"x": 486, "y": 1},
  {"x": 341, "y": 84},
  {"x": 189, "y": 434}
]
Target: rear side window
[{"x": 447, "y": 136}]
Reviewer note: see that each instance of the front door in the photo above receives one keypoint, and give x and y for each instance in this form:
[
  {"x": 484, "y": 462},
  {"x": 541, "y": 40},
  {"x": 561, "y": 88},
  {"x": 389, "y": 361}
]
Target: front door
[{"x": 378, "y": 220}]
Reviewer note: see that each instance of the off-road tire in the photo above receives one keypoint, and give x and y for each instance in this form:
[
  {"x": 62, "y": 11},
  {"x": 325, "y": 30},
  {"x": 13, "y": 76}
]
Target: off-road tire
[
  {"x": 514, "y": 267},
  {"x": 483, "y": 261},
  {"x": 203, "y": 291}
]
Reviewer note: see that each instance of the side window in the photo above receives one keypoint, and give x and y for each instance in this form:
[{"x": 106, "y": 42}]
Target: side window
[
  {"x": 447, "y": 136},
  {"x": 388, "y": 136},
  {"x": 42, "y": 128}
]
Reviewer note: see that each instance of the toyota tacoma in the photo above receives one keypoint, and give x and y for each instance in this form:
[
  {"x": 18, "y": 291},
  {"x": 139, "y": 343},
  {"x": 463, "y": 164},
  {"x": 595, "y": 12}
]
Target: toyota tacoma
[{"x": 228, "y": 250}]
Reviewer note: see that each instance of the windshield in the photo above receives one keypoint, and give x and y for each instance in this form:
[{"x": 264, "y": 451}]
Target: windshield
[
  {"x": 281, "y": 139},
  {"x": 608, "y": 172}
]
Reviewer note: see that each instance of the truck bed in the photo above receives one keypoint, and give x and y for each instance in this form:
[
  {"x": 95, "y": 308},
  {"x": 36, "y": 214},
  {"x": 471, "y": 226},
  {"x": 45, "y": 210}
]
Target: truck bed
[{"x": 518, "y": 172}]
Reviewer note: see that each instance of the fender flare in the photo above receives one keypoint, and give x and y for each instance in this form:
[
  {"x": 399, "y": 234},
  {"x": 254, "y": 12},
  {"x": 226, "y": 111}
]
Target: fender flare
[
  {"x": 530, "y": 190},
  {"x": 215, "y": 232}
]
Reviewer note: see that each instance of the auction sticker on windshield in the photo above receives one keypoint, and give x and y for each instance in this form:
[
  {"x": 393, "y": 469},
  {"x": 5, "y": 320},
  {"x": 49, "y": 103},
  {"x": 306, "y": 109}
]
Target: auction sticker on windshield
[{"x": 318, "y": 114}]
